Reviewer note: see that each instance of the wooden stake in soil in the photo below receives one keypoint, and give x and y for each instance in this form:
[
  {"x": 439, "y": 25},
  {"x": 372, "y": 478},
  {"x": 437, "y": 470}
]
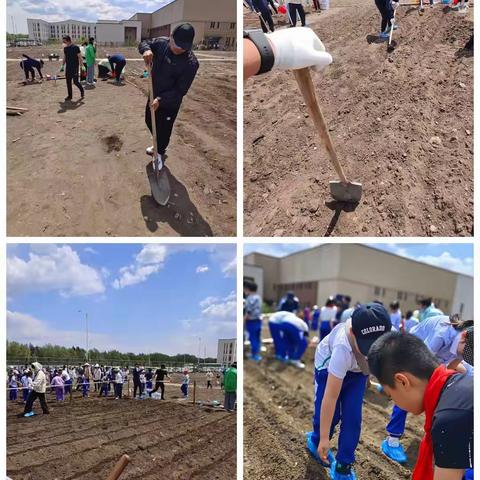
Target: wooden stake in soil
[
  {"x": 194, "y": 390},
  {"x": 119, "y": 467}
]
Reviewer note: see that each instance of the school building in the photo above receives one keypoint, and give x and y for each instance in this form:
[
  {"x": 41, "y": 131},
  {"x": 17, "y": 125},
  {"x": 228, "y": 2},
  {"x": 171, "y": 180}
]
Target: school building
[
  {"x": 227, "y": 351},
  {"x": 362, "y": 272},
  {"x": 214, "y": 21},
  {"x": 106, "y": 32}
]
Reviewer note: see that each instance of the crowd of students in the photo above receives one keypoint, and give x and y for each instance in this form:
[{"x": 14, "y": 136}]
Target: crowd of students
[{"x": 423, "y": 361}]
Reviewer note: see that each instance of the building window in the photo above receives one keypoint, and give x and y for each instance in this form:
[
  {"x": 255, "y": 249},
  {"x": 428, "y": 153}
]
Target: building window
[
  {"x": 232, "y": 26},
  {"x": 212, "y": 24}
]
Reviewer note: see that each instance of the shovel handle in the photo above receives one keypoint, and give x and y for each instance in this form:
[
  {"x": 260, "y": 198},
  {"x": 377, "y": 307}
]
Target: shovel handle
[
  {"x": 392, "y": 24},
  {"x": 152, "y": 115},
  {"x": 307, "y": 88},
  {"x": 119, "y": 467}
]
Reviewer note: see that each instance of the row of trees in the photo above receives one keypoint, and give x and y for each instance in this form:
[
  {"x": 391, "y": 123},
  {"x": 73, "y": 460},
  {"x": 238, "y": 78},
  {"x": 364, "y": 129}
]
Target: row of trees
[{"x": 26, "y": 353}]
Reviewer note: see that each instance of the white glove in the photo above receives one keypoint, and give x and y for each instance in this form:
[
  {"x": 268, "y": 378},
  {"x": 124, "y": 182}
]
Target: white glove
[
  {"x": 298, "y": 47},
  {"x": 395, "y": 5}
]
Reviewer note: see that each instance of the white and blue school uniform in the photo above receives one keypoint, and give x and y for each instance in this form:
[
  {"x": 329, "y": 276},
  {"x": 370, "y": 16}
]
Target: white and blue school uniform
[
  {"x": 25, "y": 385},
  {"x": 442, "y": 340},
  {"x": 431, "y": 311},
  {"x": 253, "y": 324},
  {"x": 334, "y": 356},
  {"x": 327, "y": 315},
  {"x": 315, "y": 318},
  {"x": 184, "y": 386},
  {"x": 294, "y": 334},
  {"x": 274, "y": 324},
  {"x": 396, "y": 319},
  {"x": 68, "y": 381},
  {"x": 410, "y": 323}
]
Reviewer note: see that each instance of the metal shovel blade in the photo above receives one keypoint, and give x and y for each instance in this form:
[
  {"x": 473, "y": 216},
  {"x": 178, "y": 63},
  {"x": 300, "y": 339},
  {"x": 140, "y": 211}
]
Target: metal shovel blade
[
  {"x": 349, "y": 192},
  {"x": 159, "y": 185}
]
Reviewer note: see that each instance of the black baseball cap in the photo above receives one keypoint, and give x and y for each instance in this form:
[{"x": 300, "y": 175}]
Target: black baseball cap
[
  {"x": 369, "y": 322},
  {"x": 183, "y": 36}
]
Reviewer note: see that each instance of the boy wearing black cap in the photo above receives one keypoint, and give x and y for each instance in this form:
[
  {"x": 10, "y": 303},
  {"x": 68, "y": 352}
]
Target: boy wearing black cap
[
  {"x": 174, "y": 67},
  {"x": 341, "y": 373},
  {"x": 416, "y": 381}
]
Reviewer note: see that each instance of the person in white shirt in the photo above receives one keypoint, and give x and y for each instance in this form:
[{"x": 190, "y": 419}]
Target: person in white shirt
[
  {"x": 39, "y": 387},
  {"x": 341, "y": 373},
  {"x": 118, "y": 383},
  {"x": 328, "y": 314},
  {"x": 209, "y": 376}
]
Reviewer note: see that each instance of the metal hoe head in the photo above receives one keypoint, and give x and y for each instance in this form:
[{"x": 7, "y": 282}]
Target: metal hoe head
[{"x": 349, "y": 192}]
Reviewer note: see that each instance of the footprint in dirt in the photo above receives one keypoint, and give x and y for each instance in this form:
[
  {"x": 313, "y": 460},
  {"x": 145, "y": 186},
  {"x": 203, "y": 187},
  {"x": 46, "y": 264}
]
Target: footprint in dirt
[{"x": 112, "y": 143}]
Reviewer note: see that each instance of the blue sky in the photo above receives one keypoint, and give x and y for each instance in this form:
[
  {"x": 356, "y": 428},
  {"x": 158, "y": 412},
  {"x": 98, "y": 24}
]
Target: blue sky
[
  {"x": 139, "y": 298},
  {"x": 87, "y": 10},
  {"x": 457, "y": 257}
]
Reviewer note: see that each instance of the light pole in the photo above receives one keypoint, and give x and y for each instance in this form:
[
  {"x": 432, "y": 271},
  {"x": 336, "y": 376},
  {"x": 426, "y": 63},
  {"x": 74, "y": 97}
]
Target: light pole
[{"x": 86, "y": 327}]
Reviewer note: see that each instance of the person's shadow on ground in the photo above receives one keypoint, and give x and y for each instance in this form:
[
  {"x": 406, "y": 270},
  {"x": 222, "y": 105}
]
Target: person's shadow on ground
[
  {"x": 69, "y": 105},
  {"x": 180, "y": 213}
]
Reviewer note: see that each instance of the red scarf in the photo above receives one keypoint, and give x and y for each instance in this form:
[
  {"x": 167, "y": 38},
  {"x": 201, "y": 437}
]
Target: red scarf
[{"x": 424, "y": 467}]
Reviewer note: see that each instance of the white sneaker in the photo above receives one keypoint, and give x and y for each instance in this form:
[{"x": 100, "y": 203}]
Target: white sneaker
[
  {"x": 149, "y": 150},
  {"x": 297, "y": 363}
]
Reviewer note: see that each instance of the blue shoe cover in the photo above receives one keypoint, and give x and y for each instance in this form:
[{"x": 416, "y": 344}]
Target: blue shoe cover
[
  {"x": 397, "y": 454},
  {"x": 312, "y": 448}
]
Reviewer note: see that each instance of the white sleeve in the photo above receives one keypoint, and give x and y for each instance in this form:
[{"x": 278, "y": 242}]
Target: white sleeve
[{"x": 340, "y": 362}]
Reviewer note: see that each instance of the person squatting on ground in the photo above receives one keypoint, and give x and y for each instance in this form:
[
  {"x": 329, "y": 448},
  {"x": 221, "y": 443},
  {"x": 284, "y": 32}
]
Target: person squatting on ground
[
  {"x": 386, "y": 9},
  {"x": 39, "y": 387},
  {"x": 28, "y": 66},
  {"x": 266, "y": 20},
  {"x": 341, "y": 374},
  {"x": 160, "y": 376},
  {"x": 290, "y": 337},
  {"x": 418, "y": 382},
  {"x": 185, "y": 383},
  {"x": 230, "y": 386},
  {"x": 328, "y": 315},
  {"x": 286, "y": 49},
  {"x": 72, "y": 63},
  {"x": 253, "y": 318},
  {"x": 174, "y": 67},
  {"x": 289, "y": 303},
  {"x": 117, "y": 64},
  {"x": 294, "y": 7},
  {"x": 445, "y": 338}
]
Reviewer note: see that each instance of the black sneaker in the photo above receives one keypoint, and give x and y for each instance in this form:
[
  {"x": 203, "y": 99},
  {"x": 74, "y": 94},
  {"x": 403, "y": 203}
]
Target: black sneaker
[{"x": 68, "y": 99}]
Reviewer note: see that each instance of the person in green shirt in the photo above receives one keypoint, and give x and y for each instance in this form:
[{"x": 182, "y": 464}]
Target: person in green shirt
[
  {"x": 230, "y": 386},
  {"x": 90, "y": 54}
]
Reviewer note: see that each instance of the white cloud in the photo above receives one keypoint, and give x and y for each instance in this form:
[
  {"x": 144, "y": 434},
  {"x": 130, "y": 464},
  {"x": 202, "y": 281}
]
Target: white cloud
[
  {"x": 52, "y": 268},
  {"x": 152, "y": 254},
  {"x": 220, "y": 309},
  {"x": 90, "y": 250},
  {"x": 134, "y": 274},
  {"x": 25, "y": 328},
  {"x": 208, "y": 301},
  {"x": 202, "y": 269},
  {"x": 278, "y": 249}
]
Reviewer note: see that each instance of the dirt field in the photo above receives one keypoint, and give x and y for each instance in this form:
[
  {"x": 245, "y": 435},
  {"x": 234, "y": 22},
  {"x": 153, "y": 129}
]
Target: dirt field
[
  {"x": 278, "y": 409},
  {"x": 79, "y": 169},
  {"x": 402, "y": 124},
  {"x": 83, "y": 440}
]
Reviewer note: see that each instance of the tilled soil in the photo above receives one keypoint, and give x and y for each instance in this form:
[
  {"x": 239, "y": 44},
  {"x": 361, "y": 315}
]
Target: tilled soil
[
  {"x": 78, "y": 169},
  {"x": 402, "y": 124},
  {"x": 83, "y": 440},
  {"x": 278, "y": 410}
]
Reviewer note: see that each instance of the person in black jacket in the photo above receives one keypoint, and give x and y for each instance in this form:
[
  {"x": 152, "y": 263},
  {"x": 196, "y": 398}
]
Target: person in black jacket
[
  {"x": 28, "y": 66},
  {"x": 174, "y": 67}
]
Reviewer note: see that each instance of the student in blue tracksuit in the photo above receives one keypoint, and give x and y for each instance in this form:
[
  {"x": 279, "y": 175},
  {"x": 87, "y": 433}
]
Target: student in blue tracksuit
[
  {"x": 386, "y": 9},
  {"x": 253, "y": 319},
  {"x": 274, "y": 324},
  {"x": 395, "y": 315},
  {"x": 410, "y": 321},
  {"x": 315, "y": 318},
  {"x": 445, "y": 337},
  {"x": 294, "y": 332},
  {"x": 289, "y": 303},
  {"x": 341, "y": 374},
  {"x": 117, "y": 63}
]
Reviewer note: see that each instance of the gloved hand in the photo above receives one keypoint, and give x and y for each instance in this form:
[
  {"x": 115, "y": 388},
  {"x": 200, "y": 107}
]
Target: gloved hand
[
  {"x": 395, "y": 4},
  {"x": 298, "y": 47}
]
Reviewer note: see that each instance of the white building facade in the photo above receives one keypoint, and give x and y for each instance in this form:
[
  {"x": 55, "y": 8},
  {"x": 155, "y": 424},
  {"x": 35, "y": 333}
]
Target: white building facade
[
  {"x": 105, "y": 32},
  {"x": 227, "y": 351}
]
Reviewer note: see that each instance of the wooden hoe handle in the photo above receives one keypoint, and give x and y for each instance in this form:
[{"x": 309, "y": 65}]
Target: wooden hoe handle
[
  {"x": 119, "y": 467},
  {"x": 307, "y": 88}
]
